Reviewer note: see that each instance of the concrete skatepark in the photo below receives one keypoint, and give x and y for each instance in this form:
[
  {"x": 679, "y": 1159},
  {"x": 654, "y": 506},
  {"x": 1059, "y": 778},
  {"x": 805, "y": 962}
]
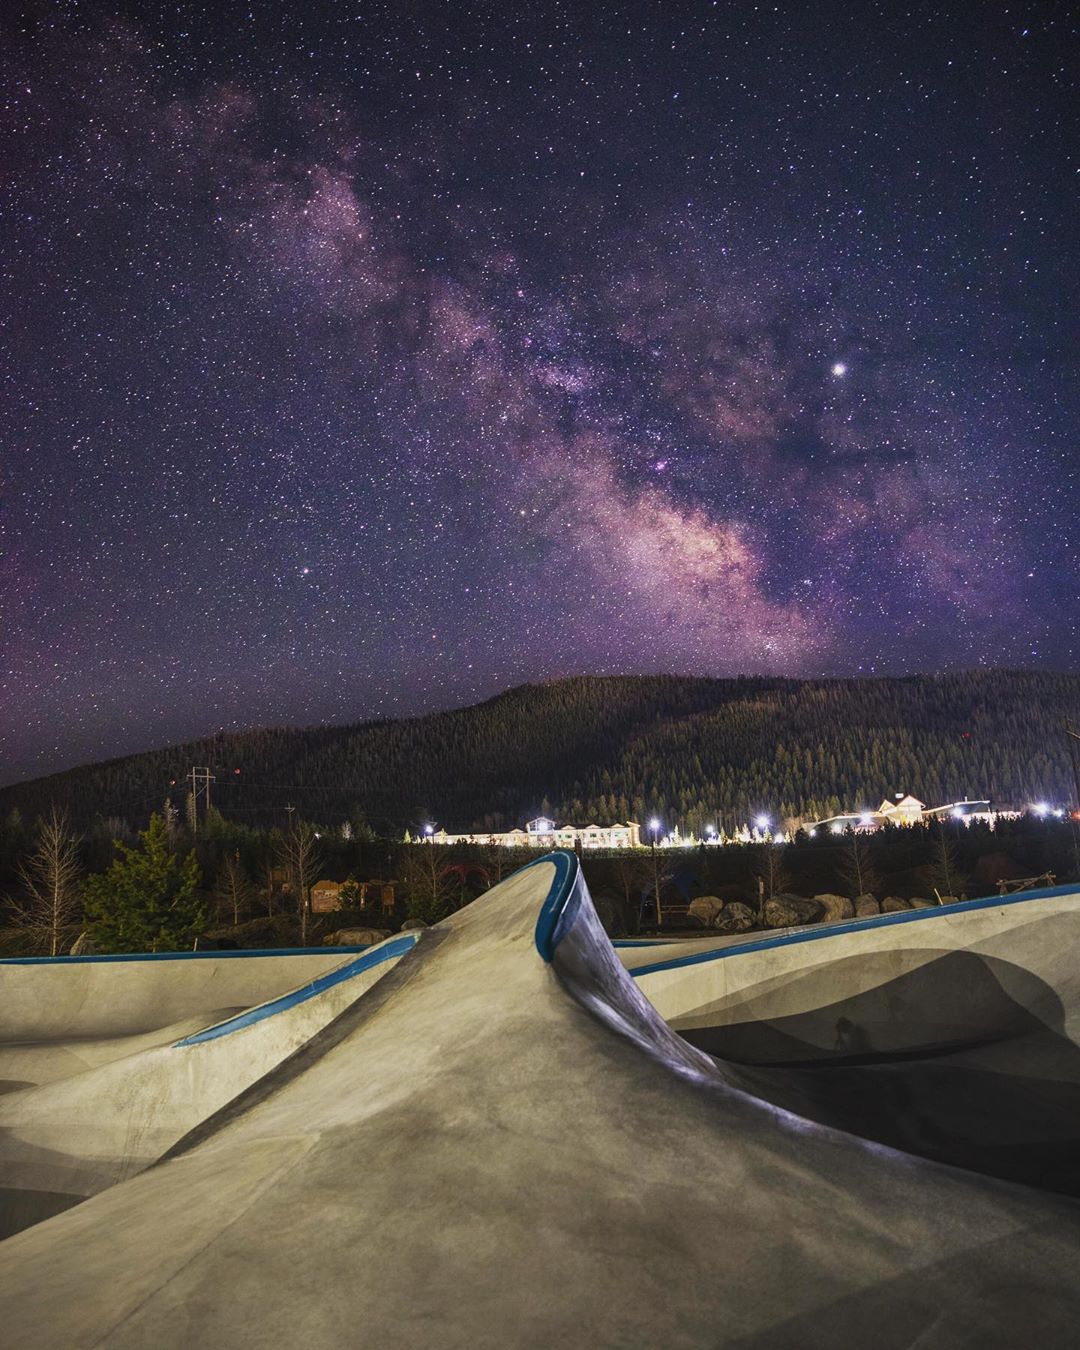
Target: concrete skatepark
[{"x": 509, "y": 1132}]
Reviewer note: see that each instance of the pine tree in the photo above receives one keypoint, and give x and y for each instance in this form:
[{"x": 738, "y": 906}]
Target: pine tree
[{"x": 149, "y": 898}]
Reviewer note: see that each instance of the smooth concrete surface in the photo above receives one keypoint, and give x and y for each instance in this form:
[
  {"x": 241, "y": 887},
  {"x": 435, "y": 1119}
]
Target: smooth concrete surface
[
  {"x": 490, "y": 1149},
  {"x": 125, "y": 1101},
  {"x": 48, "y": 998},
  {"x": 838, "y": 990}
]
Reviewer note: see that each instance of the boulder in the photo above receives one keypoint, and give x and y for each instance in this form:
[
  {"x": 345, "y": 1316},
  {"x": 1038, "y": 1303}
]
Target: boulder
[
  {"x": 835, "y": 907},
  {"x": 735, "y": 918},
  {"x": 865, "y": 906},
  {"x": 788, "y": 911},
  {"x": 706, "y": 909},
  {"x": 356, "y": 937},
  {"x": 919, "y": 902},
  {"x": 893, "y": 904}
]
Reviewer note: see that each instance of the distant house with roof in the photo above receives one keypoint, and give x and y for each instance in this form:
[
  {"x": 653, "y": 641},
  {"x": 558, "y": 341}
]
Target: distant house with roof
[
  {"x": 544, "y": 833},
  {"x": 903, "y": 809}
]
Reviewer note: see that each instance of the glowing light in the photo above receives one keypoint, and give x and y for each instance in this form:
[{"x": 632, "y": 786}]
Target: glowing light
[
  {"x": 762, "y": 822},
  {"x": 836, "y": 829},
  {"x": 1041, "y": 809},
  {"x": 1058, "y": 812},
  {"x": 429, "y": 829},
  {"x": 839, "y": 369},
  {"x": 866, "y": 818},
  {"x": 811, "y": 834},
  {"x": 654, "y": 824},
  {"x": 957, "y": 813}
]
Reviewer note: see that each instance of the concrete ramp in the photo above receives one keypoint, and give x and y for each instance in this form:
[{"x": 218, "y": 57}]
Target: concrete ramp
[
  {"x": 504, "y": 1144},
  {"x": 98, "y": 1110}
]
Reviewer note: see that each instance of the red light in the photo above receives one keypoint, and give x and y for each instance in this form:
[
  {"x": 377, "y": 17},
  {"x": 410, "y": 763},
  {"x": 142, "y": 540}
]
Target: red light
[{"x": 236, "y": 770}]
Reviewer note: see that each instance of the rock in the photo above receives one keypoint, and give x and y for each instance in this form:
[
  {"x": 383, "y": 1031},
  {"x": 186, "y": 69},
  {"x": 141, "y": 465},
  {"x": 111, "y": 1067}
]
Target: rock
[
  {"x": 788, "y": 911},
  {"x": 918, "y": 902},
  {"x": 706, "y": 909},
  {"x": 893, "y": 904},
  {"x": 735, "y": 918},
  {"x": 356, "y": 937},
  {"x": 865, "y": 906},
  {"x": 412, "y": 925},
  {"x": 835, "y": 907}
]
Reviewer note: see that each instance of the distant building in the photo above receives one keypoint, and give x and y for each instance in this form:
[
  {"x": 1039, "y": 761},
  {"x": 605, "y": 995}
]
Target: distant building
[
  {"x": 326, "y": 895},
  {"x": 544, "y": 833},
  {"x": 904, "y": 809}
]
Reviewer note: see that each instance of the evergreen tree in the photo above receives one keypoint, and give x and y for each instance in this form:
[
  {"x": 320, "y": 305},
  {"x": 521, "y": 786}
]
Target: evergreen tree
[{"x": 148, "y": 900}]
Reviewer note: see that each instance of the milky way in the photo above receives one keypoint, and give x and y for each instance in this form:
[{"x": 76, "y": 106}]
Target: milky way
[{"x": 373, "y": 358}]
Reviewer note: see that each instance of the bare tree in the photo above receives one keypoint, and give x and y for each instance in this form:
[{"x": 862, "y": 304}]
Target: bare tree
[
  {"x": 945, "y": 874},
  {"x": 428, "y": 886},
  {"x": 300, "y": 856},
  {"x": 233, "y": 887},
  {"x": 50, "y": 879},
  {"x": 770, "y": 872},
  {"x": 857, "y": 867}
]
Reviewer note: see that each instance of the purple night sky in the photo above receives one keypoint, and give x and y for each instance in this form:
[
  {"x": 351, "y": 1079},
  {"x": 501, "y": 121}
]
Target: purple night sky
[{"x": 365, "y": 359}]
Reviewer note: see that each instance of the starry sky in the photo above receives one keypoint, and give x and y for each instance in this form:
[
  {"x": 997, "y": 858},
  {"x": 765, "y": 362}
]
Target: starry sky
[{"x": 360, "y": 359}]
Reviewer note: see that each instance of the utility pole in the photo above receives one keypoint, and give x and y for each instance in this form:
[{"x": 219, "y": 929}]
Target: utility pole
[{"x": 201, "y": 778}]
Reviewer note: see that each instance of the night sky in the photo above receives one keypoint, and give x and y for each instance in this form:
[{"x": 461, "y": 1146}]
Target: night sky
[{"x": 363, "y": 359}]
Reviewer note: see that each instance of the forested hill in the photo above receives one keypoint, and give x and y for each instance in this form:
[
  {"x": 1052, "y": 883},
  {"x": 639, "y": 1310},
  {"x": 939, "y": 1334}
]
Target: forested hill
[{"x": 692, "y": 751}]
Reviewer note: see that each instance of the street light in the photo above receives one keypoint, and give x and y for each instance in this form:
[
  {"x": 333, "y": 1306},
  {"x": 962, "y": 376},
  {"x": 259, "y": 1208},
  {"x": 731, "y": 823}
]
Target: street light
[
  {"x": 762, "y": 823},
  {"x": 1041, "y": 809},
  {"x": 654, "y": 827}
]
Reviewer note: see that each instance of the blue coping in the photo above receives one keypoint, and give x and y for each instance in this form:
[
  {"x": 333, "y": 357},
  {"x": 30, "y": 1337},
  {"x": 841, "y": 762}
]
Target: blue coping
[
  {"x": 387, "y": 951},
  {"x": 561, "y": 904},
  {"x": 179, "y": 956},
  {"x": 853, "y": 926}
]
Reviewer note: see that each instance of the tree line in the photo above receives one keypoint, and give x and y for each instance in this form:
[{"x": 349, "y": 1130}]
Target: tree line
[{"x": 694, "y": 752}]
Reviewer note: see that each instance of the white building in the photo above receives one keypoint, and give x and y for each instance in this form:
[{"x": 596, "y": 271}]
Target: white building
[
  {"x": 904, "y": 809},
  {"x": 543, "y": 833}
]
